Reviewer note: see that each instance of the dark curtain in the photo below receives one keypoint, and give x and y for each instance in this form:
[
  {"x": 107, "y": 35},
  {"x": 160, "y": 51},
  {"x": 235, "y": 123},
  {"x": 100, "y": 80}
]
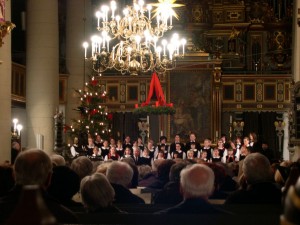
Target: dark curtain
[
  {"x": 125, "y": 124},
  {"x": 263, "y": 125}
]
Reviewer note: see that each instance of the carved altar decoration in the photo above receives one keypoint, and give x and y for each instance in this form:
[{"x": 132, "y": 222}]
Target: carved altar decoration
[
  {"x": 5, "y": 26},
  {"x": 161, "y": 107}
]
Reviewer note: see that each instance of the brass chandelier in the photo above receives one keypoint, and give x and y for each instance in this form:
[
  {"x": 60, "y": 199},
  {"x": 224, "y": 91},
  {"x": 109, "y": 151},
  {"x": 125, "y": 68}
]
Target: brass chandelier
[{"x": 134, "y": 43}]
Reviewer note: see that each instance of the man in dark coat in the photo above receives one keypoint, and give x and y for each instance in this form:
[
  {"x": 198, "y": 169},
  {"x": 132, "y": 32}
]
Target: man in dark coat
[
  {"x": 196, "y": 185},
  {"x": 119, "y": 175},
  {"x": 260, "y": 188},
  {"x": 33, "y": 167}
]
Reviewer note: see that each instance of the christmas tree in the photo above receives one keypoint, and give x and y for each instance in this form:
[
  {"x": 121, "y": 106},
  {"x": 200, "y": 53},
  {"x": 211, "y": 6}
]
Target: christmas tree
[{"x": 94, "y": 116}]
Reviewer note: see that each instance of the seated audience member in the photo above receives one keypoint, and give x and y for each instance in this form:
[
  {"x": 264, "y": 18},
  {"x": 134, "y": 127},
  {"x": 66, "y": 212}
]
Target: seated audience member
[
  {"x": 83, "y": 166},
  {"x": 135, "y": 178},
  {"x": 34, "y": 167},
  {"x": 260, "y": 186},
  {"x": 57, "y": 160},
  {"x": 97, "y": 194},
  {"x": 163, "y": 171},
  {"x": 120, "y": 175},
  {"x": 170, "y": 194},
  {"x": 144, "y": 170},
  {"x": 294, "y": 173},
  {"x": 223, "y": 183},
  {"x": 102, "y": 167},
  {"x": 291, "y": 211},
  {"x": 15, "y": 150},
  {"x": 151, "y": 177},
  {"x": 196, "y": 184},
  {"x": 6, "y": 178},
  {"x": 64, "y": 185}
]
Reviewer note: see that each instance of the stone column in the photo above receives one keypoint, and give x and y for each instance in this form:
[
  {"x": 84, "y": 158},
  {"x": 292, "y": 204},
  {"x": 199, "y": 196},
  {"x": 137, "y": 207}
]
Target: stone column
[
  {"x": 78, "y": 26},
  {"x": 42, "y": 72},
  {"x": 5, "y": 92},
  {"x": 296, "y": 42},
  {"x": 286, "y": 155}
]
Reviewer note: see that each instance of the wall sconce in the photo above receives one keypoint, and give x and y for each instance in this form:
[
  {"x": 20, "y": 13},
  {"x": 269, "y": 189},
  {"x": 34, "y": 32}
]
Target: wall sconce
[{"x": 16, "y": 133}]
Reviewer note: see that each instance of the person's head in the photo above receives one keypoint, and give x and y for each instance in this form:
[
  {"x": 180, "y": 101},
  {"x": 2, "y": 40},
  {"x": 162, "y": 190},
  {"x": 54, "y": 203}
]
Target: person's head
[
  {"x": 96, "y": 192},
  {"x": 220, "y": 143},
  {"x": 161, "y": 154},
  {"x": 112, "y": 150},
  {"x": 90, "y": 141},
  {"x": 178, "y": 147},
  {"x": 163, "y": 169},
  {"x": 150, "y": 144},
  {"x": 238, "y": 140},
  {"x": 190, "y": 154},
  {"x": 112, "y": 142},
  {"x": 98, "y": 138},
  {"x": 146, "y": 152},
  {"x": 246, "y": 141},
  {"x": 193, "y": 145},
  {"x": 119, "y": 173},
  {"x": 64, "y": 183},
  {"x": 197, "y": 181},
  {"x": 245, "y": 150},
  {"x": 230, "y": 151},
  {"x": 216, "y": 152},
  {"x": 83, "y": 166},
  {"x": 175, "y": 170},
  {"x": 57, "y": 160},
  {"x": 163, "y": 139},
  {"x": 119, "y": 144},
  {"x": 257, "y": 168},
  {"x": 192, "y": 137},
  {"x": 204, "y": 154},
  {"x": 136, "y": 151},
  {"x": 127, "y": 139},
  {"x": 15, "y": 145},
  {"x": 264, "y": 145},
  {"x": 95, "y": 150},
  {"x": 175, "y": 155},
  {"x": 105, "y": 143},
  {"x": 223, "y": 137},
  {"x": 253, "y": 137},
  {"x": 139, "y": 140},
  {"x": 207, "y": 142},
  {"x": 177, "y": 138},
  {"x": 127, "y": 151},
  {"x": 144, "y": 170},
  {"x": 33, "y": 167}
]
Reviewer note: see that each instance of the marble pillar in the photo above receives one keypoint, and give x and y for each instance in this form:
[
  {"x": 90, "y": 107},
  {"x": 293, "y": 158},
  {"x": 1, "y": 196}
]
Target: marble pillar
[
  {"x": 78, "y": 26},
  {"x": 296, "y": 42},
  {"x": 5, "y": 92},
  {"x": 42, "y": 72}
]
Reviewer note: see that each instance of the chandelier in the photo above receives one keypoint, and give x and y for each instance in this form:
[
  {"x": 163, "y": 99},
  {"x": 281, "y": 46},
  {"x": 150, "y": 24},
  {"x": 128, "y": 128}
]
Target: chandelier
[{"x": 134, "y": 43}]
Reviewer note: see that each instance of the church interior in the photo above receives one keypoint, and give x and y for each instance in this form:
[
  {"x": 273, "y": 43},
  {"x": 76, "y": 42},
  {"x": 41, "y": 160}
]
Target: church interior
[
  {"x": 210, "y": 71},
  {"x": 238, "y": 74}
]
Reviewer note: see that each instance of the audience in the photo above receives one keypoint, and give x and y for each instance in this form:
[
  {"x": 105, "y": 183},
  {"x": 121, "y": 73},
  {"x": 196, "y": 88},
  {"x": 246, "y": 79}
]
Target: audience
[
  {"x": 83, "y": 166},
  {"x": 33, "y": 167},
  {"x": 97, "y": 194},
  {"x": 170, "y": 194},
  {"x": 6, "y": 178},
  {"x": 119, "y": 175},
  {"x": 64, "y": 185},
  {"x": 197, "y": 184},
  {"x": 260, "y": 186},
  {"x": 57, "y": 160}
]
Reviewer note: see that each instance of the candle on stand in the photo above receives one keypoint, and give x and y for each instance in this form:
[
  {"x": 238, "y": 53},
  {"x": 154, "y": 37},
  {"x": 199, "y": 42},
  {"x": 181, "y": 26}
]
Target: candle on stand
[
  {"x": 230, "y": 119},
  {"x": 217, "y": 134},
  {"x": 15, "y": 121},
  {"x": 148, "y": 119}
]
